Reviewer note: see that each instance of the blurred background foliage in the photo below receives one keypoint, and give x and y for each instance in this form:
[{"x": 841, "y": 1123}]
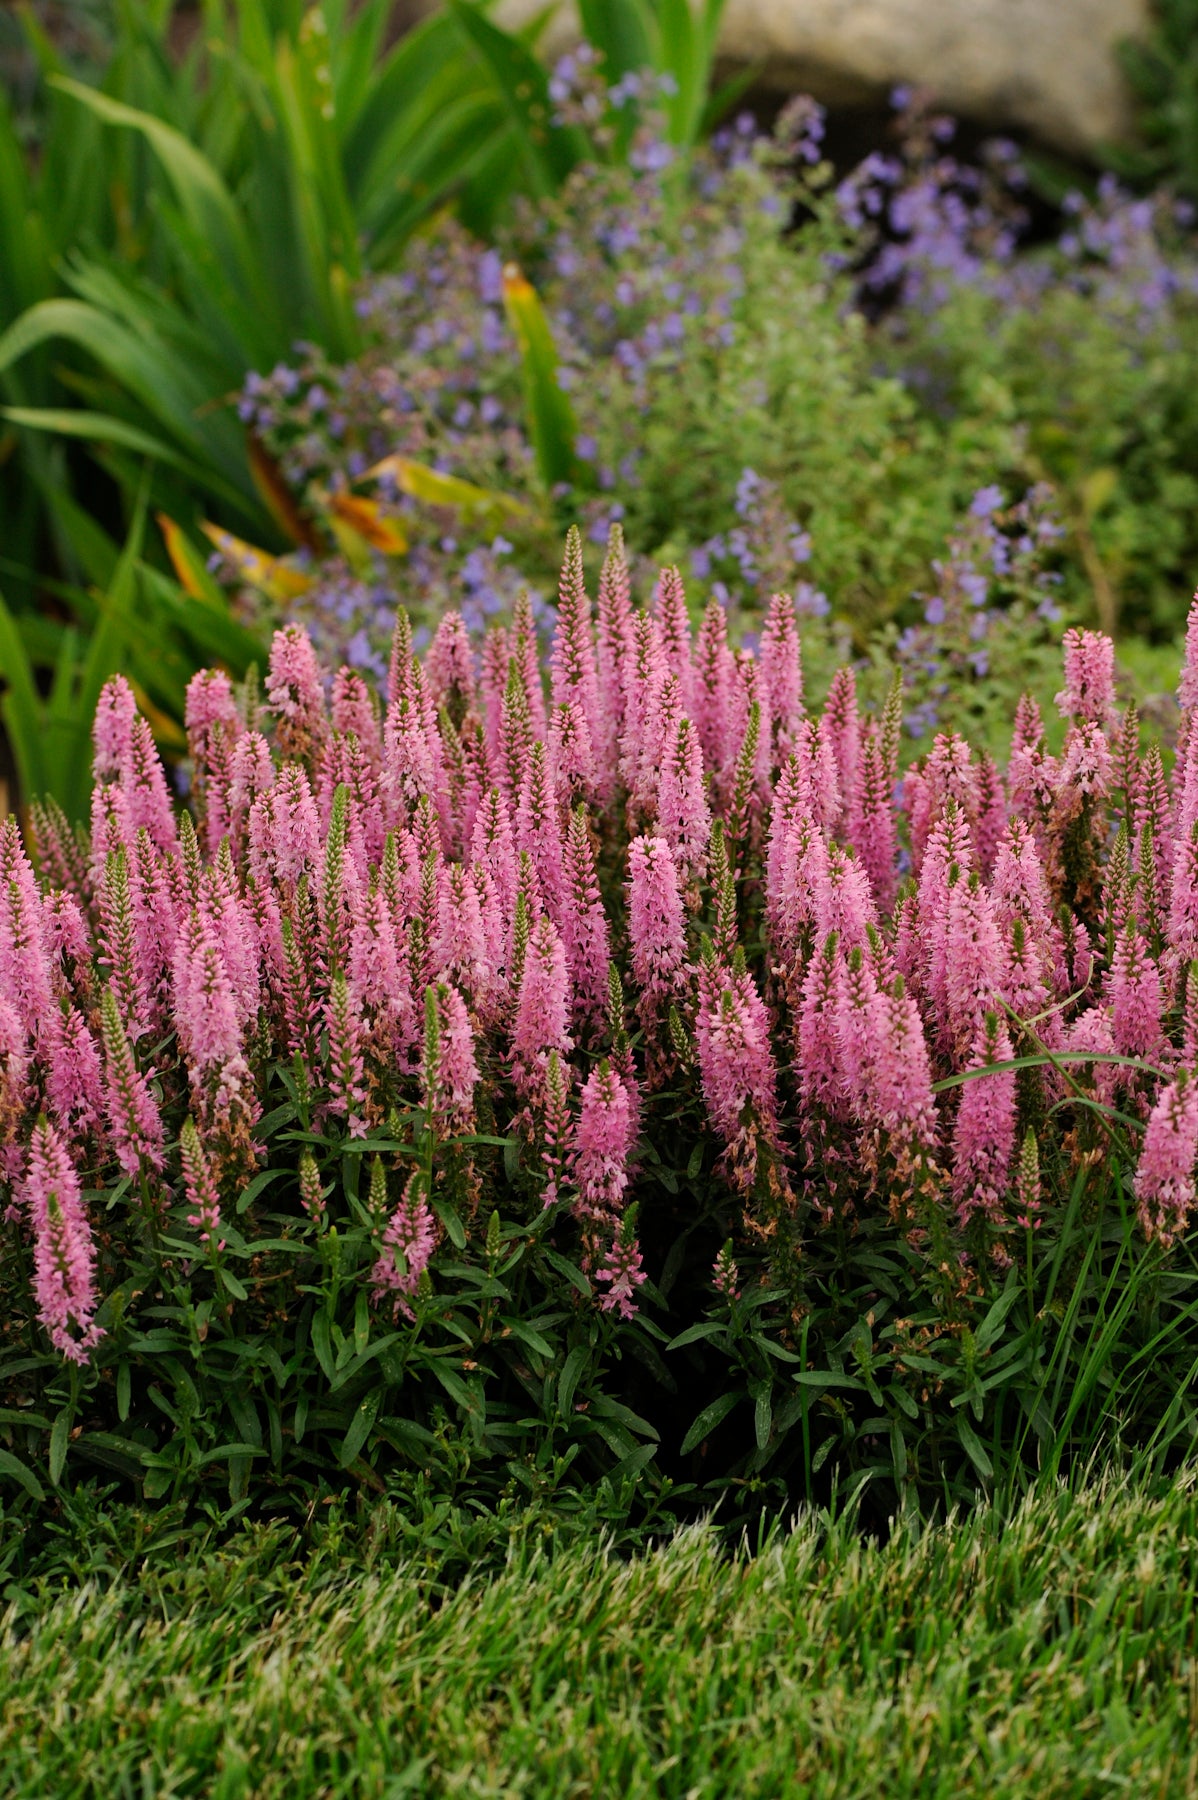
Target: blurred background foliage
[{"x": 771, "y": 368}]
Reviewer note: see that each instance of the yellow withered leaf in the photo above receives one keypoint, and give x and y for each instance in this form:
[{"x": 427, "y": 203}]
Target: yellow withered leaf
[
  {"x": 269, "y": 481},
  {"x": 271, "y": 574},
  {"x": 189, "y": 568},
  {"x": 437, "y": 489},
  {"x": 367, "y": 519}
]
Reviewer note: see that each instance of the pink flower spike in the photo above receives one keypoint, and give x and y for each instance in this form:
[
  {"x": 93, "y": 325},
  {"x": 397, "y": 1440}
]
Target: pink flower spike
[
  {"x": 1134, "y": 986},
  {"x": 492, "y": 846},
  {"x": 843, "y": 901},
  {"x": 614, "y": 623},
  {"x": 354, "y": 715},
  {"x": 736, "y": 1065},
  {"x": 984, "y": 1134},
  {"x": 622, "y": 1274},
  {"x": 74, "y": 1082},
  {"x": 1088, "y": 696},
  {"x": 872, "y": 825},
  {"x": 1183, "y": 907},
  {"x": 112, "y": 729},
  {"x": 346, "y": 1067},
  {"x": 571, "y": 753},
  {"x": 584, "y": 926},
  {"x": 126, "y": 757},
  {"x": 669, "y": 607},
  {"x": 449, "y": 666},
  {"x": 537, "y": 830},
  {"x": 413, "y": 759},
  {"x": 854, "y": 1029},
  {"x": 992, "y": 815},
  {"x": 816, "y": 1038},
  {"x": 542, "y": 1022},
  {"x": 656, "y": 930},
  {"x": 134, "y": 1121},
  {"x": 572, "y": 663},
  {"x": 64, "y": 1255},
  {"x": 296, "y": 694},
  {"x": 1187, "y": 693},
  {"x": 946, "y": 863},
  {"x": 526, "y": 656},
  {"x": 646, "y": 675},
  {"x": 903, "y": 1102},
  {"x": 408, "y": 1245},
  {"x": 1164, "y": 1180},
  {"x": 213, "y": 728},
  {"x": 713, "y": 690},
  {"x": 496, "y": 661},
  {"x": 251, "y": 772},
  {"x": 840, "y": 720},
  {"x": 205, "y": 1004},
  {"x": 602, "y": 1144},
  {"x": 516, "y": 737},
  {"x": 25, "y": 971},
  {"x": 461, "y": 952},
  {"x": 457, "y": 1068},
  {"x": 781, "y": 662},
  {"x": 818, "y": 750},
  {"x": 975, "y": 960},
  {"x": 683, "y": 815},
  {"x": 199, "y": 1186}
]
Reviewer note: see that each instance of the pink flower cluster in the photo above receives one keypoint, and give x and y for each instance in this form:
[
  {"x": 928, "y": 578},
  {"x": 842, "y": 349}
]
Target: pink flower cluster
[{"x": 656, "y": 881}]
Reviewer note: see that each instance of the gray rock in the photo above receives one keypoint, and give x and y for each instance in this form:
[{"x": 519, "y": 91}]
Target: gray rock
[{"x": 1047, "y": 66}]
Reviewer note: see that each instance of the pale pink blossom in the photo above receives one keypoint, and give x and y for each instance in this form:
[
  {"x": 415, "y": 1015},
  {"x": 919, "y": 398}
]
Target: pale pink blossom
[
  {"x": 657, "y": 934},
  {"x": 408, "y": 1244},
  {"x": 449, "y": 666},
  {"x": 781, "y": 677},
  {"x": 200, "y": 1187},
  {"x": 542, "y": 1021},
  {"x": 572, "y": 663},
  {"x": 1164, "y": 1180},
  {"x": 134, "y": 1122},
  {"x": 736, "y": 1066},
  {"x": 683, "y": 815},
  {"x": 295, "y": 691},
  {"x": 1089, "y": 692},
  {"x": 602, "y": 1144},
  {"x": 622, "y": 1274},
  {"x": 1134, "y": 987},
  {"x": 984, "y": 1132},
  {"x": 669, "y": 606},
  {"x": 64, "y": 1255},
  {"x": 1187, "y": 693}
]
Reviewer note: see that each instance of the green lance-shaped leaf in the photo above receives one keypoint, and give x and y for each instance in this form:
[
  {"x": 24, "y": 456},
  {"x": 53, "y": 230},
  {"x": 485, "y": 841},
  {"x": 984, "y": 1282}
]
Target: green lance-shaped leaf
[{"x": 550, "y": 417}]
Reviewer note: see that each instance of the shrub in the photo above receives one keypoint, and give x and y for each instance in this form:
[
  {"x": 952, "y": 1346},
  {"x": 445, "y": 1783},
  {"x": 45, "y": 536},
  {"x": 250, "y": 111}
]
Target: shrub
[
  {"x": 505, "y": 1084},
  {"x": 1080, "y": 343},
  {"x": 727, "y": 402},
  {"x": 774, "y": 383}
]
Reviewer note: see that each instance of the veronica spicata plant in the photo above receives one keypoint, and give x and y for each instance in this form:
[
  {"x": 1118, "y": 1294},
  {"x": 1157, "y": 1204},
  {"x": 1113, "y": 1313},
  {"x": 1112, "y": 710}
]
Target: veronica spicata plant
[{"x": 456, "y": 1078}]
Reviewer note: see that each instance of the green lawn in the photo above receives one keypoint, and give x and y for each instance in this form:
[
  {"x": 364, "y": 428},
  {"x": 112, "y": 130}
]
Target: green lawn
[{"x": 1052, "y": 1655}]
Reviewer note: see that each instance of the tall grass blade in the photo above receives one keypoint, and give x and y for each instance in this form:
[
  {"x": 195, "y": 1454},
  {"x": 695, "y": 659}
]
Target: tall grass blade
[{"x": 550, "y": 416}]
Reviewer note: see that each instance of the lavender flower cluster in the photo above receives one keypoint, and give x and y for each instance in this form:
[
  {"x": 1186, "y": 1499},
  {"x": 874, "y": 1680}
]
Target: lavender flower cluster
[
  {"x": 563, "y": 910},
  {"x": 928, "y": 224}
]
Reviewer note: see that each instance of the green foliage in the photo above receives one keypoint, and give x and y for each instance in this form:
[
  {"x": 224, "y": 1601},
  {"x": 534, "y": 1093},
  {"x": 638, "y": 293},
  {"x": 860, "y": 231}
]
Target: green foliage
[
  {"x": 551, "y": 424},
  {"x": 1043, "y": 1649},
  {"x": 1162, "y": 72},
  {"x": 266, "y": 1366},
  {"x": 674, "y": 39},
  {"x": 1102, "y": 402},
  {"x": 230, "y": 204},
  {"x": 262, "y": 1374}
]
